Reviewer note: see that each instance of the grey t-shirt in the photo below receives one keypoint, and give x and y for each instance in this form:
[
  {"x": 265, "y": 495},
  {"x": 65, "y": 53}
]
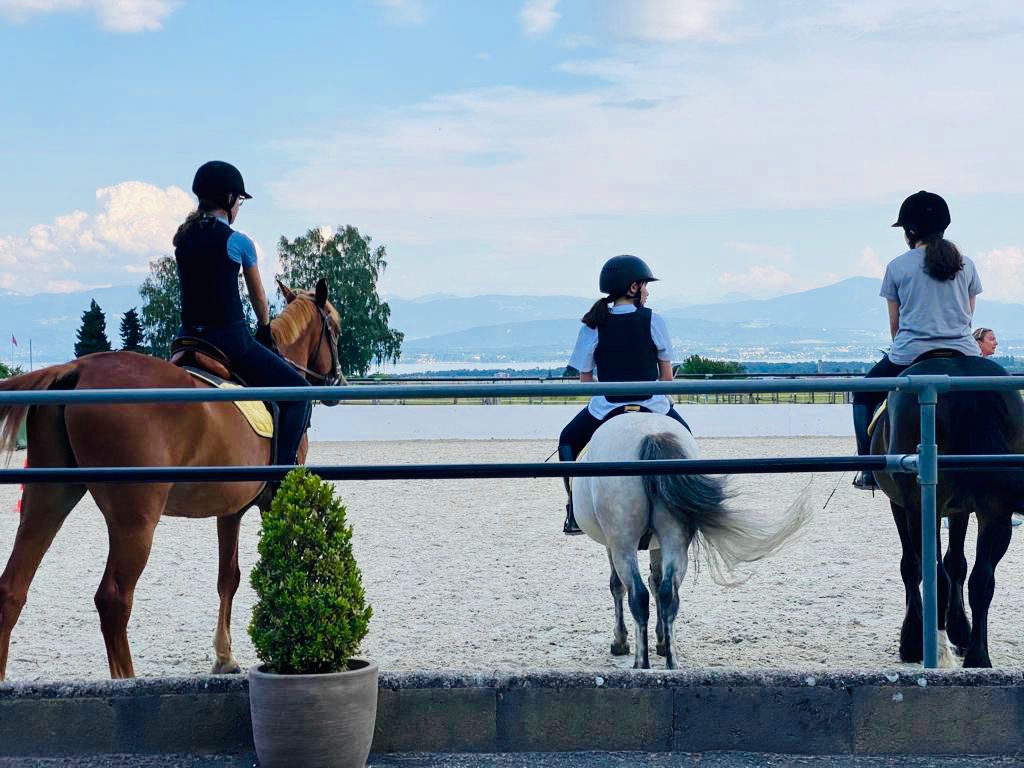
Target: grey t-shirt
[{"x": 934, "y": 314}]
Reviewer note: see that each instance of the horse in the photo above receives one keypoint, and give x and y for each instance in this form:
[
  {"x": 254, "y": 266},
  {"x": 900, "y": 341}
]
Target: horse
[
  {"x": 675, "y": 511},
  {"x": 965, "y": 423},
  {"x": 147, "y": 434}
]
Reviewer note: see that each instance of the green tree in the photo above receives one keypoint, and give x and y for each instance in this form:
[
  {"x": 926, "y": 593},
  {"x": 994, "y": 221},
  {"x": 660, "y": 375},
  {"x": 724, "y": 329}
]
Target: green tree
[
  {"x": 92, "y": 336},
  {"x": 352, "y": 268},
  {"x": 161, "y": 306},
  {"x": 7, "y": 371},
  {"x": 131, "y": 331},
  {"x": 697, "y": 364}
]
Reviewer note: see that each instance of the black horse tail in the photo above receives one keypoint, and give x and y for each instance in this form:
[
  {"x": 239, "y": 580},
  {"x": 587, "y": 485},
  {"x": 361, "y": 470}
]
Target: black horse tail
[{"x": 724, "y": 536}]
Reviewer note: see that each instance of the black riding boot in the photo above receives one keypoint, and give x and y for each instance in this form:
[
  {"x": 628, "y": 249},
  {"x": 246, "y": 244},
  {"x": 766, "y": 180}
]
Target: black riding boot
[
  {"x": 569, "y": 527},
  {"x": 862, "y": 413}
]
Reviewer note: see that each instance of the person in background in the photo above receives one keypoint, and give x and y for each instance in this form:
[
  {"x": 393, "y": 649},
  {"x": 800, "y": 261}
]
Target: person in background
[{"x": 986, "y": 339}]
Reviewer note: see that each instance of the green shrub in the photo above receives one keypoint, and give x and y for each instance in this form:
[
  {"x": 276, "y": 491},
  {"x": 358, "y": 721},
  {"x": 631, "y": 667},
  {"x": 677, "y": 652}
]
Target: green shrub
[{"x": 311, "y": 613}]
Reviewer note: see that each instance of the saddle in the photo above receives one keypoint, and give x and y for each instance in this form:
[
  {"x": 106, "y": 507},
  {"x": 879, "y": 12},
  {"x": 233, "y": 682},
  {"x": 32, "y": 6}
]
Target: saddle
[{"x": 205, "y": 362}]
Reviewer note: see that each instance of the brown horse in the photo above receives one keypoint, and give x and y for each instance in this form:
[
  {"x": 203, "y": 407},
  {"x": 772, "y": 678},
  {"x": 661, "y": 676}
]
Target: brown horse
[{"x": 147, "y": 434}]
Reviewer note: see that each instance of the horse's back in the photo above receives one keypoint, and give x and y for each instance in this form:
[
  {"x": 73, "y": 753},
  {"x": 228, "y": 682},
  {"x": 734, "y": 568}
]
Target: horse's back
[{"x": 619, "y": 438}]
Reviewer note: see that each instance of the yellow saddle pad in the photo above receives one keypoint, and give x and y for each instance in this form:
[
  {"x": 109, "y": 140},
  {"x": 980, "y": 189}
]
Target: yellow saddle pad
[
  {"x": 254, "y": 411},
  {"x": 879, "y": 412}
]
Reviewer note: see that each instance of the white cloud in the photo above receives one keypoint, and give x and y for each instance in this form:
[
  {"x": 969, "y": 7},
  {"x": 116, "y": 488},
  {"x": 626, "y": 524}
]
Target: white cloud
[
  {"x": 410, "y": 12},
  {"x": 538, "y": 17},
  {"x": 112, "y": 15},
  {"x": 1002, "y": 273},
  {"x": 869, "y": 264},
  {"x": 667, "y": 21},
  {"x": 763, "y": 281},
  {"x": 132, "y": 223}
]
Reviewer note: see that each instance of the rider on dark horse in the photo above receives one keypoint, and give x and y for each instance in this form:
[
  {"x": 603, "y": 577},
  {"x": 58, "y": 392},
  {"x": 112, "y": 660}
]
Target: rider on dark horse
[
  {"x": 621, "y": 340},
  {"x": 930, "y": 290},
  {"x": 210, "y": 255}
]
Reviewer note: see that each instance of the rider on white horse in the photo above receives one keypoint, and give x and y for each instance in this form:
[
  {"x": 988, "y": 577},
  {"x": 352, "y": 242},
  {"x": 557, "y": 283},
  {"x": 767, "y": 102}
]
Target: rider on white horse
[
  {"x": 621, "y": 340},
  {"x": 930, "y": 291}
]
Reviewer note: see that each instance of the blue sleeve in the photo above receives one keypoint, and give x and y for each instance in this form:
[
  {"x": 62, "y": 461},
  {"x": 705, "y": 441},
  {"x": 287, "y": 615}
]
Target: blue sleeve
[
  {"x": 890, "y": 289},
  {"x": 242, "y": 249}
]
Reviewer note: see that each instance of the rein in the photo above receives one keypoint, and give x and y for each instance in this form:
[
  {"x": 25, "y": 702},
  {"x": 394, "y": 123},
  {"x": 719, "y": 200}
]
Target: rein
[{"x": 331, "y": 378}]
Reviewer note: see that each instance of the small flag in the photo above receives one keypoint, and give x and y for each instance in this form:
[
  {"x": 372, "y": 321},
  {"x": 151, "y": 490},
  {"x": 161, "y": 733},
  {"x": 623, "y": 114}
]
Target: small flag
[{"x": 14, "y": 341}]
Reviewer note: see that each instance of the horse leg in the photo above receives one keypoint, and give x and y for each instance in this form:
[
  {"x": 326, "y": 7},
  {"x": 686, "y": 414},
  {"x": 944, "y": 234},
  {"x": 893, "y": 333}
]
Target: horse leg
[
  {"x": 620, "y": 643},
  {"x": 228, "y": 578},
  {"x": 625, "y": 563},
  {"x": 958, "y": 628},
  {"x": 994, "y": 532},
  {"x": 132, "y": 513},
  {"x": 674, "y": 561},
  {"x": 911, "y": 632},
  {"x": 44, "y": 509},
  {"x": 654, "y": 582}
]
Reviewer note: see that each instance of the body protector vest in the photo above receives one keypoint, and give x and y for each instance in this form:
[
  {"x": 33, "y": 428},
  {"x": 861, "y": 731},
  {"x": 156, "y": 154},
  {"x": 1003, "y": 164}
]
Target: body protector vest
[
  {"x": 626, "y": 352},
  {"x": 207, "y": 275}
]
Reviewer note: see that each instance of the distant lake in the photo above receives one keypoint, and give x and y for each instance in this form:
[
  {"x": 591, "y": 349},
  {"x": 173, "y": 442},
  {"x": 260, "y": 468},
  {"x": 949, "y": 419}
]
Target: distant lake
[{"x": 397, "y": 369}]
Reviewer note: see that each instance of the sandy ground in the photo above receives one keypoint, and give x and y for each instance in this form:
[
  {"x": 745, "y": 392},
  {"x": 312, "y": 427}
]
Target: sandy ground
[{"x": 477, "y": 575}]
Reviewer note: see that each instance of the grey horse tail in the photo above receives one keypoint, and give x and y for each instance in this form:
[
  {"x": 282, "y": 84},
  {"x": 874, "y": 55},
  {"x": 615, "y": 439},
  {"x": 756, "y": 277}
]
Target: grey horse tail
[{"x": 725, "y": 537}]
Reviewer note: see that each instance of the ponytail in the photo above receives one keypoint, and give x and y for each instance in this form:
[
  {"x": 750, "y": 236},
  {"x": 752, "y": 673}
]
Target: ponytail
[
  {"x": 186, "y": 225},
  {"x": 598, "y": 313},
  {"x": 942, "y": 259}
]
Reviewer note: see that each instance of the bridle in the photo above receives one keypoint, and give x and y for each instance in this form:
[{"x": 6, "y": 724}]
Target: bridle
[{"x": 331, "y": 378}]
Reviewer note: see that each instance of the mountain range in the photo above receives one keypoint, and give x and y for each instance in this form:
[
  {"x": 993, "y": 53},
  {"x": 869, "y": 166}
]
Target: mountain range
[{"x": 845, "y": 320}]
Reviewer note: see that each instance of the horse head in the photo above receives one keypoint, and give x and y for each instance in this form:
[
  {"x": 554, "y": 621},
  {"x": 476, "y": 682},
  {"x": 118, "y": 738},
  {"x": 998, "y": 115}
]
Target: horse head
[{"x": 307, "y": 333}]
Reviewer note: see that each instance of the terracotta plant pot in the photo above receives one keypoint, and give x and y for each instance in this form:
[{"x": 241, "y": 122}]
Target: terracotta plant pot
[{"x": 314, "y": 721}]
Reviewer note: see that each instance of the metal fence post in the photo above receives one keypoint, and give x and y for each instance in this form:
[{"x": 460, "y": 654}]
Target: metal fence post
[{"x": 928, "y": 477}]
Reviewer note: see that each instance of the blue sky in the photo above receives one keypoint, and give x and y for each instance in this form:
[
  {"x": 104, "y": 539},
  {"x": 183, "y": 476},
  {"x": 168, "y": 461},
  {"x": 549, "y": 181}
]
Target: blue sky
[{"x": 751, "y": 146}]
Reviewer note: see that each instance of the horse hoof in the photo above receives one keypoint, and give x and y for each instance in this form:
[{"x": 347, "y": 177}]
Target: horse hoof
[
  {"x": 620, "y": 649},
  {"x": 977, "y": 663},
  {"x": 229, "y": 667},
  {"x": 661, "y": 650}
]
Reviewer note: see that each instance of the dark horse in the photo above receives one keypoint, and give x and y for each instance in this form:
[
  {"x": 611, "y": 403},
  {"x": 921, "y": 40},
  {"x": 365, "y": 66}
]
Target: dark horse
[
  {"x": 153, "y": 435},
  {"x": 965, "y": 423}
]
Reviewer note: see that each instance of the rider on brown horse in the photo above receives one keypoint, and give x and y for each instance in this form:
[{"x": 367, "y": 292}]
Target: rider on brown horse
[
  {"x": 210, "y": 255},
  {"x": 930, "y": 290}
]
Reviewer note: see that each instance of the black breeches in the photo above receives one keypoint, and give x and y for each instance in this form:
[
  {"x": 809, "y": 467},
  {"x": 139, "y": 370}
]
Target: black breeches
[{"x": 581, "y": 429}]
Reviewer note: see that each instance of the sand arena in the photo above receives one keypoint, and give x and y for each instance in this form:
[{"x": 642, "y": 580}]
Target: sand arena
[{"x": 477, "y": 575}]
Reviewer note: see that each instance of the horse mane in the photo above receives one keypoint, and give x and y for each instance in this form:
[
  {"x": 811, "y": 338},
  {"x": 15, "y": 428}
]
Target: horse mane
[{"x": 298, "y": 315}]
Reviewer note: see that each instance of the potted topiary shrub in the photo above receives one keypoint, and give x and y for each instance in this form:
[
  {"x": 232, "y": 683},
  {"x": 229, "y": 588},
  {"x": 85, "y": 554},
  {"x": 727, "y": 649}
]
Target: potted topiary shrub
[{"x": 313, "y": 702}]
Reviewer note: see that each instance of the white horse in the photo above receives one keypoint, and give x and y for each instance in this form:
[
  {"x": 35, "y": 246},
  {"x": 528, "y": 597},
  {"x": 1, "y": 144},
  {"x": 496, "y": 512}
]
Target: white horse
[{"x": 677, "y": 510}]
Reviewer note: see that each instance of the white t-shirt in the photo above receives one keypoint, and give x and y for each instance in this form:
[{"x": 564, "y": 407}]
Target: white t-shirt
[{"x": 583, "y": 361}]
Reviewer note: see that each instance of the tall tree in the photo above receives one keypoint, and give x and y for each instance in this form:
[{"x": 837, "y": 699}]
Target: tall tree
[
  {"x": 131, "y": 331},
  {"x": 352, "y": 267},
  {"x": 161, "y": 306},
  {"x": 92, "y": 336}
]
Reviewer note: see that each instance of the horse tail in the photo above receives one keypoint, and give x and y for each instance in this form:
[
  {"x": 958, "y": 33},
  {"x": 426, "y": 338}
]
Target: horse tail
[
  {"x": 724, "y": 537},
  {"x": 54, "y": 377}
]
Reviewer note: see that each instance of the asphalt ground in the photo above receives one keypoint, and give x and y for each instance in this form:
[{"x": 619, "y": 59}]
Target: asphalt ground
[{"x": 538, "y": 760}]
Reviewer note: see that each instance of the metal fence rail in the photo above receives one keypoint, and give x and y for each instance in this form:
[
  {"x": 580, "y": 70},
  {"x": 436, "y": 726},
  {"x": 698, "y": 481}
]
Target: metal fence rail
[{"x": 926, "y": 463}]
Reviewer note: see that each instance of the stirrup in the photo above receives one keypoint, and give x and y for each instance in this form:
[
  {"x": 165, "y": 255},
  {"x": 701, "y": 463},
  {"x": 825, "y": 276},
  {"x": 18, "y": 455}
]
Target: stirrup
[
  {"x": 569, "y": 527},
  {"x": 865, "y": 481}
]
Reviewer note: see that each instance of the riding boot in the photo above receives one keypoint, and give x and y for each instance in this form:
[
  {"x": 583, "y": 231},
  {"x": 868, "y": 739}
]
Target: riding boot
[
  {"x": 569, "y": 527},
  {"x": 865, "y": 479}
]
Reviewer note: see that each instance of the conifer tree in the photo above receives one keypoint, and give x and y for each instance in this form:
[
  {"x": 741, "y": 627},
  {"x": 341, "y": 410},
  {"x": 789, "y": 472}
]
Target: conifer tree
[
  {"x": 92, "y": 336},
  {"x": 131, "y": 331}
]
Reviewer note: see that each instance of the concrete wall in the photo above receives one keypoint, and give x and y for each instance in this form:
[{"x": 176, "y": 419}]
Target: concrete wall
[{"x": 901, "y": 712}]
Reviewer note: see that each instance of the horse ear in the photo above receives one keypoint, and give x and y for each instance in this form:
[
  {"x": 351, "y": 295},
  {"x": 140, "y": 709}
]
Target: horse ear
[
  {"x": 288, "y": 293},
  {"x": 321, "y": 292}
]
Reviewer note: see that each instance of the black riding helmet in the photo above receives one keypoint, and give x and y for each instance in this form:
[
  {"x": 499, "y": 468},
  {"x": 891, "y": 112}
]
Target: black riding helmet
[
  {"x": 923, "y": 214},
  {"x": 219, "y": 183},
  {"x": 619, "y": 272}
]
